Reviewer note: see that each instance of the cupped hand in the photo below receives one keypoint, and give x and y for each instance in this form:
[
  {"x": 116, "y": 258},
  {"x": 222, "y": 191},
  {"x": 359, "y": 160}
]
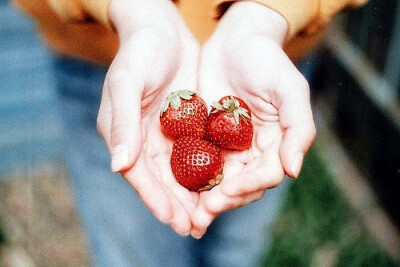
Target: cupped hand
[
  {"x": 244, "y": 57},
  {"x": 157, "y": 55}
]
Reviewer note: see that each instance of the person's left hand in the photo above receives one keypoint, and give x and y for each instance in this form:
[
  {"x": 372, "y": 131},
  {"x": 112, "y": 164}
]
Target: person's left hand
[{"x": 244, "y": 57}]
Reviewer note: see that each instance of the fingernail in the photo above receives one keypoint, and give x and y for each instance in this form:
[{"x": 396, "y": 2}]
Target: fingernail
[
  {"x": 186, "y": 233},
  {"x": 120, "y": 157},
  {"x": 182, "y": 233},
  {"x": 196, "y": 236},
  {"x": 297, "y": 163}
]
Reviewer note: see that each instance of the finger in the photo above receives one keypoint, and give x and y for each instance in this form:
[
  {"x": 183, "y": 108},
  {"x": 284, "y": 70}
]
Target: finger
[
  {"x": 215, "y": 203},
  {"x": 260, "y": 174},
  {"x": 186, "y": 199},
  {"x": 297, "y": 122},
  {"x": 104, "y": 117},
  {"x": 132, "y": 79},
  {"x": 180, "y": 221},
  {"x": 263, "y": 168},
  {"x": 125, "y": 93},
  {"x": 212, "y": 82},
  {"x": 187, "y": 74},
  {"x": 157, "y": 155},
  {"x": 201, "y": 220},
  {"x": 150, "y": 190},
  {"x": 253, "y": 180}
]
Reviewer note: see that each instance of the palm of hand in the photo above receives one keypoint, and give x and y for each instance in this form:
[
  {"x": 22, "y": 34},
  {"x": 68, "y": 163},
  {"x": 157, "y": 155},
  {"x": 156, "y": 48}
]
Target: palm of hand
[
  {"x": 259, "y": 167},
  {"x": 132, "y": 96},
  {"x": 256, "y": 70},
  {"x": 247, "y": 174},
  {"x": 176, "y": 203},
  {"x": 168, "y": 200}
]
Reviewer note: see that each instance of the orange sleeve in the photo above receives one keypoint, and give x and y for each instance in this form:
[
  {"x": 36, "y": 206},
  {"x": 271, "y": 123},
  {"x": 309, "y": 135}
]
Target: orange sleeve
[
  {"x": 93, "y": 42},
  {"x": 303, "y": 16},
  {"x": 81, "y": 10}
]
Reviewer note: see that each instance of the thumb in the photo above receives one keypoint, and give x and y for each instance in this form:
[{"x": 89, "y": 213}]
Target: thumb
[
  {"x": 126, "y": 137},
  {"x": 299, "y": 130}
]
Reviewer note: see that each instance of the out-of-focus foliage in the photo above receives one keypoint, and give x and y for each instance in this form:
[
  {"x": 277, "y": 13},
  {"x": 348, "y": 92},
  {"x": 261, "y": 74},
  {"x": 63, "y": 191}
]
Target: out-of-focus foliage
[{"x": 317, "y": 227}]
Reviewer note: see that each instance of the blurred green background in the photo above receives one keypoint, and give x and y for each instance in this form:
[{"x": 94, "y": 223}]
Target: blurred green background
[{"x": 317, "y": 227}]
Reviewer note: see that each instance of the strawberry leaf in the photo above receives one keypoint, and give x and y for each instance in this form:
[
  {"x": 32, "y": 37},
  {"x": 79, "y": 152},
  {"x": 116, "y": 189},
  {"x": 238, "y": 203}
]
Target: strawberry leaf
[
  {"x": 174, "y": 99},
  {"x": 226, "y": 103},
  {"x": 244, "y": 112},
  {"x": 236, "y": 103},
  {"x": 164, "y": 107},
  {"x": 217, "y": 107},
  {"x": 236, "y": 116},
  {"x": 186, "y": 94},
  {"x": 176, "y": 102},
  {"x": 241, "y": 113}
]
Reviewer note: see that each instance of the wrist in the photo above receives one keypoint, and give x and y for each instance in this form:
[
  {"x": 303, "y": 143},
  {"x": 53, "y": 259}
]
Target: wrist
[
  {"x": 129, "y": 16},
  {"x": 257, "y": 19}
]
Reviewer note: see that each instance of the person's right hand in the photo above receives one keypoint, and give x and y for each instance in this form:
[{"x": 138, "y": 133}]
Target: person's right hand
[{"x": 157, "y": 55}]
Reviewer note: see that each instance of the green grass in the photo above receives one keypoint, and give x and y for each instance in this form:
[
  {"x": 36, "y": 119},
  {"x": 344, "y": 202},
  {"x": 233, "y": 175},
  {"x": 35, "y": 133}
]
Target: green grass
[{"x": 316, "y": 223}]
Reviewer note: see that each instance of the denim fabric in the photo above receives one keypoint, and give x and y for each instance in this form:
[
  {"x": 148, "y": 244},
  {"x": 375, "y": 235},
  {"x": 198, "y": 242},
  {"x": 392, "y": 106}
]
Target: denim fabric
[{"x": 120, "y": 229}]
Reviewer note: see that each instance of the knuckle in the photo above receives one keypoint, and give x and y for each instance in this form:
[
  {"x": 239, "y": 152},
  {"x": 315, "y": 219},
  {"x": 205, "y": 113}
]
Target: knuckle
[
  {"x": 302, "y": 82},
  {"x": 219, "y": 203},
  {"x": 263, "y": 183},
  {"x": 260, "y": 195},
  {"x": 118, "y": 127},
  {"x": 116, "y": 78},
  {"x": 99, "y": 127},
  {"x": 156, "y": 35},
  {"x": 215, "y": 207},
  {"x": 271, "y": 179},
  {"x": 310, "y": 132},
  {"x": 299, "y": 82},
  {"x": 121, "y": 116},
  {"x": 258, "y": 180},
  {"x": 275, "y": 182},
  {"x": 313, "y": 132},
  {"x": 257, "y": 196}
]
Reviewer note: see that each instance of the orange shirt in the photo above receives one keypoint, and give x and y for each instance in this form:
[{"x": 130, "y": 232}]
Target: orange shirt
[{"x": 81, "y": 28}]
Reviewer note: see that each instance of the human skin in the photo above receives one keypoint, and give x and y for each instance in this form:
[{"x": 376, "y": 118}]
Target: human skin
[
  {"x": 157, "y": 55},
  {"x": 243, "y": 57}
]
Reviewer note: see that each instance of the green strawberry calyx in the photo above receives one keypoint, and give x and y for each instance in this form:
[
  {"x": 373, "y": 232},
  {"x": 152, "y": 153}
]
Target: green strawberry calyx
[
  {"x": 212, "y": 183},
  {"x": 174, "y": 99},
  {"x": 232, "y": 105}
]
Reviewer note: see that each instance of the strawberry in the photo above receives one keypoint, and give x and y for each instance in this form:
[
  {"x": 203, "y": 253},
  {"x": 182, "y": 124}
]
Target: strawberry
[
  {"x": 183, "y": 114},
  {"x": 229, "y": 124},
  {"x": 196, "y": 164}
]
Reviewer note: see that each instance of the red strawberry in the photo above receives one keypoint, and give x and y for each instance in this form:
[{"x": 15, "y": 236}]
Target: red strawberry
[
  {"x": 183, "y": 114},
  {"x": 229, "y": 124},
  {"x": 196, "y": 164}
]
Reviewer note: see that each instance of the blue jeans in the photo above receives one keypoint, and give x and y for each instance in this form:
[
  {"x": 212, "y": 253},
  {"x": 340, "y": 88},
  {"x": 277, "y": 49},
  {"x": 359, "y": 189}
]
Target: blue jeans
[{"x": 120, "y": 229}]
